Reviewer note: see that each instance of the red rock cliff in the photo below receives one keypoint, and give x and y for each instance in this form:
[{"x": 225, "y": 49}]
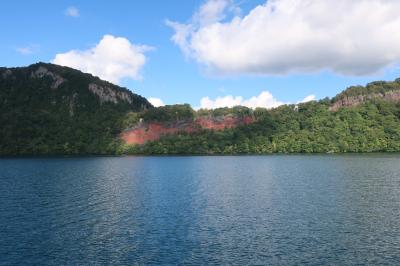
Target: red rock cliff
[{"x": 144, "y": 132}]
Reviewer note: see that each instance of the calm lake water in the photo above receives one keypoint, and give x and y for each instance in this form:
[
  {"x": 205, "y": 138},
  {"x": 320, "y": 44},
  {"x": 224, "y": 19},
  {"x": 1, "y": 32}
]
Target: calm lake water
[{"x": 328, "y": 209}]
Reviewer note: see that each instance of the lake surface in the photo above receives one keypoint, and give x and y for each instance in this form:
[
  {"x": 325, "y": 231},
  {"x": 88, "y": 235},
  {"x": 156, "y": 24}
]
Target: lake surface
[{"x": 322, "y": 209}]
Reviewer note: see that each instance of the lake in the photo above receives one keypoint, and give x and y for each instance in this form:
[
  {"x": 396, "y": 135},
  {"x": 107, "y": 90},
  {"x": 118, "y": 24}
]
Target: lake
[{"x": 278, "y": 209}]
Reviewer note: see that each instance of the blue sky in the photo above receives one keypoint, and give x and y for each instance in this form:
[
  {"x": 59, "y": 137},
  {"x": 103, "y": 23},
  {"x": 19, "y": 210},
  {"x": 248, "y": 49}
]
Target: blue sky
[{"x": 38, "y": 30}]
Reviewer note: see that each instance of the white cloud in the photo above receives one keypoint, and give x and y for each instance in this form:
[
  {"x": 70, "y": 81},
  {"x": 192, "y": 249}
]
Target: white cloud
[
  {"x": 309, "y": 98},
  {"x": 212, "y": 11},
  {"x": 264, "y": 99},
  {"x": 358, "y": 37},
  {"x": 27, "y": 50},
  {"x": 112, "y": 59},
  {"x": 157, "y": 102},
  {"x": 226, "y": 101},
  {"x": 72, "y": 12}
]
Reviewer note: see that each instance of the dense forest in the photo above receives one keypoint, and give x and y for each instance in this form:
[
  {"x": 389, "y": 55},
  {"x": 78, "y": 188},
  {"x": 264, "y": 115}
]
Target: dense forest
[
  {"x": 372, "y": 124},
  {"x": 49, "y": 109}
]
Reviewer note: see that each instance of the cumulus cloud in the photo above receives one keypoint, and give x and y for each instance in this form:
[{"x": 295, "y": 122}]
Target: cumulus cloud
[
  {"x": 112, "y": 59},
  {"x": 357, "y": 37},
  {"x": 264, "y": 99},
  {"x": 72, "y": 12},
  {"x": 157, "y": 102}
]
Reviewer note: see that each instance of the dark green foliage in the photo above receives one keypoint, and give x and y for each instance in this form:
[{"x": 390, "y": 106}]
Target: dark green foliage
[
  {"x": 168, "y": 113},
  {"x": 239, "y": 111},
  {"x": 40, "y": 118},
  {"x": 310, "y": 128},
  {"x": 376, "y": 87}
]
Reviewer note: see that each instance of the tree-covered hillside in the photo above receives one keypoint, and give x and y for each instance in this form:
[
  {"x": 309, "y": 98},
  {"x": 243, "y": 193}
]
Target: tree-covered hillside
[
  {"x": 49, "y": 109},
  {"x": 362, "y": 124}
]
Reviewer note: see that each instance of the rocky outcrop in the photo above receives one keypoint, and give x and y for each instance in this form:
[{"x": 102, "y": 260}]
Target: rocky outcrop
[
  {"x": 44, "y": 72},
  {"x": 350, "y": 101},
  {"x": 65, "y": 81},
  {"x": 107, "y": 94},
  {"x": 144, "y": 132},
  {"x": 57, "y": 113}
]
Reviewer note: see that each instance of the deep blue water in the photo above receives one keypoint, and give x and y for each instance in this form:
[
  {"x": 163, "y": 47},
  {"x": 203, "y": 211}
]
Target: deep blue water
[{"x": 339, "y": 209}]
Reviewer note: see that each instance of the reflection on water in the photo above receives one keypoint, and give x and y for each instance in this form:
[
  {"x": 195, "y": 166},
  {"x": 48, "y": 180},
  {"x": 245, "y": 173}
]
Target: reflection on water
[{"x": 201, "y": 210}]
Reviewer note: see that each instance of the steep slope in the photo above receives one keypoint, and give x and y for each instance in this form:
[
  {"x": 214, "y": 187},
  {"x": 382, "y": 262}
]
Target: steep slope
[
  {"x": 49, "y": 109},
  {"x": 357, "y": 95},
  {"x": 156, "y": 123},
  {"x": 160, "y": 122},
  {"x": 144, "y": 132},
  {"x": 360, "y": 119}
]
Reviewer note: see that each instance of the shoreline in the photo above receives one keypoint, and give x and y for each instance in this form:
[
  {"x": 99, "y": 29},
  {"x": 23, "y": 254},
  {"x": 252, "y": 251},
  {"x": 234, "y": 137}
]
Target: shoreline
[{"x": 190, "y": 155}]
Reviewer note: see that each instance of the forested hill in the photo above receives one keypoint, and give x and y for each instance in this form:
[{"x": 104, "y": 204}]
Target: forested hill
[
  {"x": 360, "y": 119},
  {"x": 356, "y": 95},
  {"x": 49, "y": 109}
]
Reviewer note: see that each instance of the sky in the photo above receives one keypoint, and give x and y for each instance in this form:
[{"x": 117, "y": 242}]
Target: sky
[{"x": 211, "y": 53}]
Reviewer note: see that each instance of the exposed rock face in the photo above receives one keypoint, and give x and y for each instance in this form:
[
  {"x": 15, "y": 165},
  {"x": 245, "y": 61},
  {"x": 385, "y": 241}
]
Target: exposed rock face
[
  {"x": 44, "y": 72},
  {"x": 223, "y": 122},
  {"x": 49, "y": 109},
  {"x": 107, "y": 94},
  {"x": 144, "y": 132},
  {"x": 67, "y": 81},
  {"x": 392, "y": 96}
]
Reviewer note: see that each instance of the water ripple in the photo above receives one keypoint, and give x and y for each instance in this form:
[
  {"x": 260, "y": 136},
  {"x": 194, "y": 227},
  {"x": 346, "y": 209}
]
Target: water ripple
[{"x": 284, "y": 210}]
